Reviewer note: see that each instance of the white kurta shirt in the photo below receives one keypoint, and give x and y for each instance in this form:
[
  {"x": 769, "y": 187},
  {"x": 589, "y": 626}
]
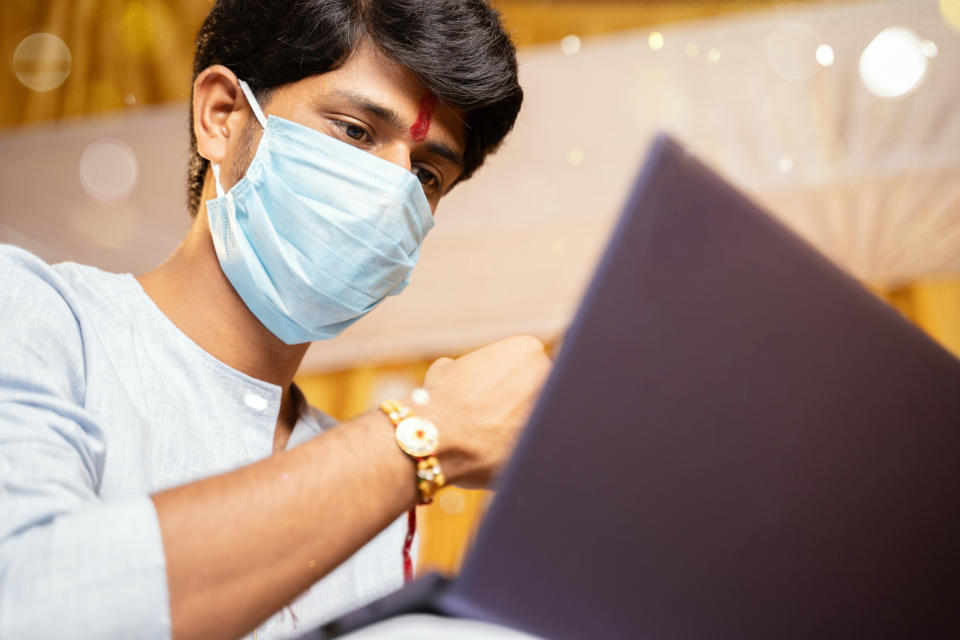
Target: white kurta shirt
[{"x": 103, "y": 401}]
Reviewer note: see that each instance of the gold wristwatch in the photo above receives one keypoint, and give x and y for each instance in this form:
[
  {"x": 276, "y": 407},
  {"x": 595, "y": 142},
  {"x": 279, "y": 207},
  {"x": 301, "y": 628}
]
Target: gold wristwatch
[{"x": 419, "y": 439}]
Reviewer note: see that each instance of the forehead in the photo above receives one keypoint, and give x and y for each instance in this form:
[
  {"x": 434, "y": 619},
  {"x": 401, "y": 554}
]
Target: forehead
[{"x": 370, "y": 72}]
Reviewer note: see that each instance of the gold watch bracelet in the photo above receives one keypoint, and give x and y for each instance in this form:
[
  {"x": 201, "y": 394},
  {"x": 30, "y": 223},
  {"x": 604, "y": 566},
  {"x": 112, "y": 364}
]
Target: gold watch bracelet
[{"x": 418, "y": 438}]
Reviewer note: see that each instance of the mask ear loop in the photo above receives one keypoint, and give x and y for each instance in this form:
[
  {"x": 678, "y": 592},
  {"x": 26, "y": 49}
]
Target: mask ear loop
[
  {"x": 252, "y": 101},
  {"x": 216, "y": 178},
  {"x": 257, "y": 112}
]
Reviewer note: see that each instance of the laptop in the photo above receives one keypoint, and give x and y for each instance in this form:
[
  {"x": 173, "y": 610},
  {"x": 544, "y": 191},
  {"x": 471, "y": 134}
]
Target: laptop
[{"x": 737, "y": 441}]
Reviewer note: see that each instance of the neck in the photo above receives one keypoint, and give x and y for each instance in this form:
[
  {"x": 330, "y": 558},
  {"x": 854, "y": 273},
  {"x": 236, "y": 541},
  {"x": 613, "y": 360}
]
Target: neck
[{"x": 192, "y": 290}]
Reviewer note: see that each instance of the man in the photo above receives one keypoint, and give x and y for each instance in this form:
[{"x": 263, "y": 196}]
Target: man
[{"x": 161, "y": 474}]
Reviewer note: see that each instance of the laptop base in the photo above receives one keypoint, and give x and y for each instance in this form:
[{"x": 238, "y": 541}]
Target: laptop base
[{"x": 422, "y": 595}]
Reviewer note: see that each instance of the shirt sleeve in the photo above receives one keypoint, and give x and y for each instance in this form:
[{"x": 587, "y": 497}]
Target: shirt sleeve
[{"x": 71, "y": 565}]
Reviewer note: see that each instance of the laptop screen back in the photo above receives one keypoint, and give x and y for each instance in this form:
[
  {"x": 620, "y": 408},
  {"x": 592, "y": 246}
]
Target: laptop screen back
[{"x": 737, "y": 441}]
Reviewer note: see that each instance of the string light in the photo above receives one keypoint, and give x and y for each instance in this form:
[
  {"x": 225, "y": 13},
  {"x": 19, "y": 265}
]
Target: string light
[
  {"x": 825, "y": 55},
  {"x": 893, "y": 64},
  {"x": 420, "y": 396},
  {"x": 570, "y": 44},
  {"x": 929, "y": 48}
]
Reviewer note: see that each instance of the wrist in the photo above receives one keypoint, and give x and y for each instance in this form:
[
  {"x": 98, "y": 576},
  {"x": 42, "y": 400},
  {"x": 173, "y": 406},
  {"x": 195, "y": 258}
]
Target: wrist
[
  {"x": 449, "y": 419},
  {"x": 418, "y": 437}
]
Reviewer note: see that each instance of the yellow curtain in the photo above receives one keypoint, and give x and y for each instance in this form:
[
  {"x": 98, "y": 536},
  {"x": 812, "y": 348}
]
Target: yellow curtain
[
  {"x": 933, "y": 305},
  {"x": 122, "y": 53},
  {"x": 447, "y": 526}
]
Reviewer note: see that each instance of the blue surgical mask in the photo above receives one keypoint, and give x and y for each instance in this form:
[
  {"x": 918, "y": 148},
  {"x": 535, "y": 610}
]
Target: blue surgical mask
[{"x": 318, "y": 232}]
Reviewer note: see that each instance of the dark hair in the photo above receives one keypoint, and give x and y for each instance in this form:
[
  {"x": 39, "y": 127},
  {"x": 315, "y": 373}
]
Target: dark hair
[{"x": 457, "y": 48}]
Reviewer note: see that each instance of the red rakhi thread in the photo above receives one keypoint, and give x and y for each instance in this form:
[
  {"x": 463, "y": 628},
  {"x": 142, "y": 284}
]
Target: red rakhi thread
[
  {"x": 293, "y": 616},
  {"x": 407, "y": 543},
  {"x": 420, "y": 128}
]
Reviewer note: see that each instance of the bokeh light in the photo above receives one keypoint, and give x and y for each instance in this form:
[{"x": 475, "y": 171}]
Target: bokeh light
[
  {"x": 575, "y": 156},
  {"x": 824, "y": 55},
  {"x": 391, "y": 384},
  {"x": 950, "y": 10},
  {"x": 655, "y": 41},
  {"x": 108, "y": 170},
  {"x": 110, "y": 226},
  {"x": 713, "y": 56},
  {"x": 929, "y": 48},
  {"x": 451, "y": 501},
  {"x": 893, "y": 64},
  {"x": 788, "y": 48},
  {"x": 420, "y": 397},
  {"x": 785, "y": 164},
  {"x": 570, "y": 44},
  {"x": 42, "y": 61}
]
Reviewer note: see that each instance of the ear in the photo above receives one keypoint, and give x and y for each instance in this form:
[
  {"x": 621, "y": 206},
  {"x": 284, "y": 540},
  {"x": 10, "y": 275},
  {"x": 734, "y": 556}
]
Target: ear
[{"x": 219, "y": 111}]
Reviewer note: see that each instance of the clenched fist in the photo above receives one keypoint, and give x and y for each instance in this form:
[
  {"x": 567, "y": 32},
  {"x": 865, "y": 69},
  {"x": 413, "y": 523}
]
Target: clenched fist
[{"x": 479, "y": 403}]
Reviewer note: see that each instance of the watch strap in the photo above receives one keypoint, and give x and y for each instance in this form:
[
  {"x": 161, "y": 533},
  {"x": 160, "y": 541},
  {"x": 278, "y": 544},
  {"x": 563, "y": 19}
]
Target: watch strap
[{"x": 429, "y": 475}]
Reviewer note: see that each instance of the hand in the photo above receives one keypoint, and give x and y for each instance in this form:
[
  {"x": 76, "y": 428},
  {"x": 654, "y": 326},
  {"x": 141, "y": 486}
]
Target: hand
[{"x": 480, "y": 402}]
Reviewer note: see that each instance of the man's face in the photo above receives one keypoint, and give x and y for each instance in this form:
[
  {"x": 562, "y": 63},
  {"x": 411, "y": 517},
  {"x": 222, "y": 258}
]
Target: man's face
[{"x": 378, "y": 106}]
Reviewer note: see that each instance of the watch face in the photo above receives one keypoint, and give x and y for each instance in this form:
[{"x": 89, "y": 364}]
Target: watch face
[{"x": 417, "y": 436}]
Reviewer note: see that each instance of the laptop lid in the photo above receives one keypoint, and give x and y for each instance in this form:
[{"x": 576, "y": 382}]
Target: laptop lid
[{"x": 737, "y": 441}]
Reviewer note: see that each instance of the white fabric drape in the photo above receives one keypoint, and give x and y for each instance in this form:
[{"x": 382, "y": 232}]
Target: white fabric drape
[{"x": 874, "y": 183}]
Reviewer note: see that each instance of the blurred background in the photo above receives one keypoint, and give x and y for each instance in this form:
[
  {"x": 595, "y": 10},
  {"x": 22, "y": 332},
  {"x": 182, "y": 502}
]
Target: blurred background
[{"x": 841, "y": 117}]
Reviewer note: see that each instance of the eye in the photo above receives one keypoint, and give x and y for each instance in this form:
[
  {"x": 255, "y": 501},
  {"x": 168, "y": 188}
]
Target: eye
[
  {"x": 352, "y": 131},
  {"x": 429, "y": 180}
]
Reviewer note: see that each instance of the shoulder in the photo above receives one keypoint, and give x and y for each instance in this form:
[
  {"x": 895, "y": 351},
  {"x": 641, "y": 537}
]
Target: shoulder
[
  {"x": 21, "y": 268},
  {"x": 24, "y": 278},
  {"x": 39, "y": 327},
  {"x": 30, "y": 289}
]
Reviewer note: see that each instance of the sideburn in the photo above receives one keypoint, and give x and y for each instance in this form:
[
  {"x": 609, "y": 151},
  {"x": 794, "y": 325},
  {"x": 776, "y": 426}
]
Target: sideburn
[{"x": 249, "y": 139}]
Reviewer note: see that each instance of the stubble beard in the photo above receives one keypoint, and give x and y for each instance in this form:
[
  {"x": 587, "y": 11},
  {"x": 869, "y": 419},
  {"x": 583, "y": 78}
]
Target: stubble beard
[{"x": 246, "y": 151}]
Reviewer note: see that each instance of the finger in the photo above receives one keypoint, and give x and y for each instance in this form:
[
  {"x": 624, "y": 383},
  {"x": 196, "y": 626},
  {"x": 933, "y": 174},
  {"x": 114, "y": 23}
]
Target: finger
[
  {"x": 520, "y": 344},
  {"x": 437, "y": 369}
]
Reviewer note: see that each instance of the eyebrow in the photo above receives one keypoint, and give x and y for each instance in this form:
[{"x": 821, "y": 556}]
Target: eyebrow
[
  {"x": 393, "y": 118},
  {"x": 442, "y": 150}
]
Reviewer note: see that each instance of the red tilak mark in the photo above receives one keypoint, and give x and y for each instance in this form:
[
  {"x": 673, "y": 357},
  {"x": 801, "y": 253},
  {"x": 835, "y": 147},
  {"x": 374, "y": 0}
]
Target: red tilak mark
[{"x": 420, "y": 128}]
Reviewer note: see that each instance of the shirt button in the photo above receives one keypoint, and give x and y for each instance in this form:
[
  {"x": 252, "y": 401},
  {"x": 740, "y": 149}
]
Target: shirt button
[{"x": 255, "y": 402}]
